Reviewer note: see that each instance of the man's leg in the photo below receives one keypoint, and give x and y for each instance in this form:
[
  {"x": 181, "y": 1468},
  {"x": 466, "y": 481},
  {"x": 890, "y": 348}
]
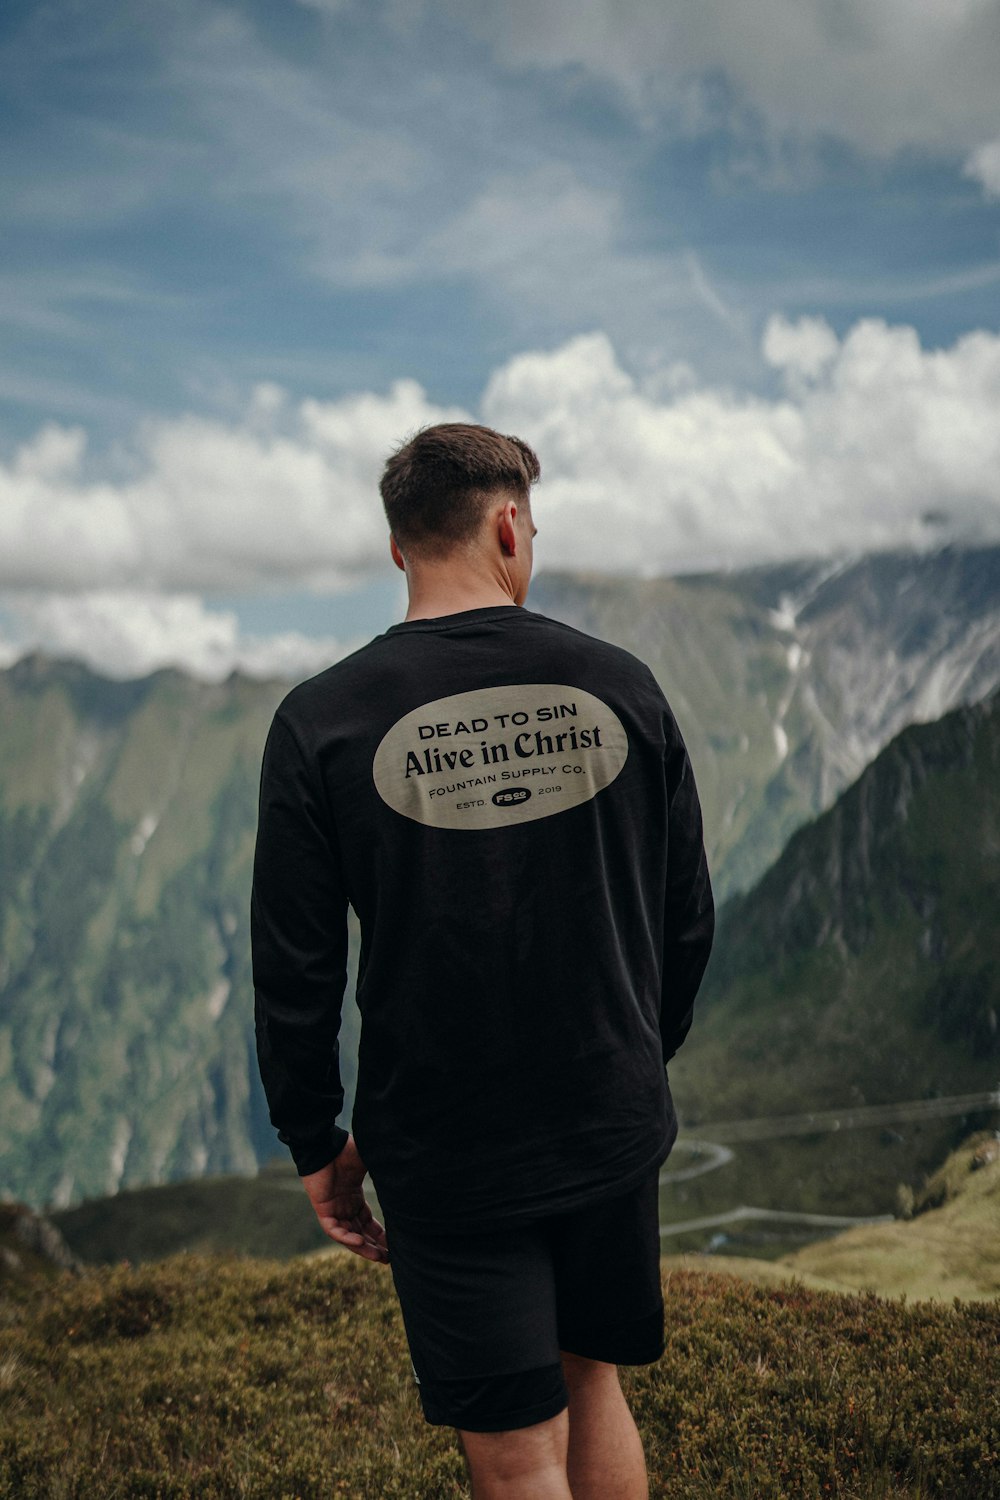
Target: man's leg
[
  {"x": 526, "y": 1464},
  {"x": 605, "y": 1459}
]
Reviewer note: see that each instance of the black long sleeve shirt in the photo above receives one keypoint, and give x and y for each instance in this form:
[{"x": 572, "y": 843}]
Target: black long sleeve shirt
[{"x": 509, "y": 807}]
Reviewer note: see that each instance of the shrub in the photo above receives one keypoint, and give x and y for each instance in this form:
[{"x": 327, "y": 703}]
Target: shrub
[{"x": 217, "y": 1377}]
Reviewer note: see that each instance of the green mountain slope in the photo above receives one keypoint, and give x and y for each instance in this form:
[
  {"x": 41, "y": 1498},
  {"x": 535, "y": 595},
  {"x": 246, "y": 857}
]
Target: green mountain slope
[
  {"x": 948, "y": 1248},
  {"x": 787, "y": 681},
  {"x": 862, "y": 968},
  {"x": 266, "y": 1215},
  {"x": 127, "y": 815}
]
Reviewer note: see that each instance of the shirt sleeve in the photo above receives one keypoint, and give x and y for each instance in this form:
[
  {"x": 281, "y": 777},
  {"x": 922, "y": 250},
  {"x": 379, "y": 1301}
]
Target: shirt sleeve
[
  {"x": 298, "y": 936},
  {"x": 689, "y": 916}
]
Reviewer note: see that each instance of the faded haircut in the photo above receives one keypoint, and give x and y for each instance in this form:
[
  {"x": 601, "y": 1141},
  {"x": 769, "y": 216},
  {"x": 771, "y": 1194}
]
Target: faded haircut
[{"x": 436, "y": 487}]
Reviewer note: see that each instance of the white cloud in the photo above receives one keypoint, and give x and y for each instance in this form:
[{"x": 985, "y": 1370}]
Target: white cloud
[
  {"x": 879, "y": 73},
  {"x": 287, "y": 496},
  {"x": 871, "y": 434},
  {"x": 127, "y": 633},
  {"x": 983, "y": 166},
  {"x": 802, "y": 350}
]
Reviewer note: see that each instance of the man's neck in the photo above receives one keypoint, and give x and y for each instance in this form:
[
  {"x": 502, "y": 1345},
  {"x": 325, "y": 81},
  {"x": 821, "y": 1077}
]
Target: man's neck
[{"x": 434, "y": 592}]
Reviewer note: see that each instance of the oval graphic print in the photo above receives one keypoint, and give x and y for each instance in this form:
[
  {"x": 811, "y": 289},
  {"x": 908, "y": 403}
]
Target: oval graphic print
[{"x": 498, "y": 756}]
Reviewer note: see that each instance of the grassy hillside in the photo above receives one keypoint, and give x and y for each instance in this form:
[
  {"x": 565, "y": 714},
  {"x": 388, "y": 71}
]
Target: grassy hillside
[
  {"x": 945, "y": 1252},
  {"x": 127, "y": 818},
  {"x": 947, "y": 1247},
  {"x": 267, "y": 1215},
  {"x": 211, "y": 1377},
  {"x": 861, "y": 968}
]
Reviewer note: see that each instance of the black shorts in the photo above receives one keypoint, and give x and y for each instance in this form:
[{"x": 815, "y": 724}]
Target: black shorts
[{"x": 487, "y": 1314}]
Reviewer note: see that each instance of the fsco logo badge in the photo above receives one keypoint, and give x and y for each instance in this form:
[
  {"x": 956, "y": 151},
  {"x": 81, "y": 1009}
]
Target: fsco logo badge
[{"x": 511, "y": 796}]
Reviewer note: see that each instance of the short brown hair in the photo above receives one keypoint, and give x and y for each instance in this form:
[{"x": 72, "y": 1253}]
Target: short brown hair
[{"x": 436, "y": 486}]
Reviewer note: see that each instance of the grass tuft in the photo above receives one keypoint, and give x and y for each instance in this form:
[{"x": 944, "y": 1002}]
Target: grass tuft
[{"x": 217, "y": 1376}]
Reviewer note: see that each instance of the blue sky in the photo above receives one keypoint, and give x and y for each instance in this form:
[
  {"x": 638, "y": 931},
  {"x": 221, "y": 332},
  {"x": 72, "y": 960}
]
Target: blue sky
[{"x": 734, "y": 270}]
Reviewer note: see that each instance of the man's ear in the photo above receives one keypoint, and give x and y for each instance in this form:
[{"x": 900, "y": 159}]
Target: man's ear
[
  {"x": 397, "y": 556},
  {"x": 505, "y": 529}
]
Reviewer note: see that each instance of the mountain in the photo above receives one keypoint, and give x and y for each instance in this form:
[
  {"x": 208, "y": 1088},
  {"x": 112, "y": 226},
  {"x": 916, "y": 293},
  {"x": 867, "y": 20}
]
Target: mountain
[
  {"x": 862, "y": 968},
  {"x": 788, "y": 680},
  {"x": 127, "y": 814}
]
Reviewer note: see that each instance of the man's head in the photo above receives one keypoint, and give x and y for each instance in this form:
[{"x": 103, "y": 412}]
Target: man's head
[{"x": 438, "y": 488}]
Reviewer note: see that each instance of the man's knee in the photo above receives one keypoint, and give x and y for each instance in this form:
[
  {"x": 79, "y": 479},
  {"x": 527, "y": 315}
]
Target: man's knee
[
  {"x": 518, "y": 1454},
  {"x": 580, "y": 1372}
]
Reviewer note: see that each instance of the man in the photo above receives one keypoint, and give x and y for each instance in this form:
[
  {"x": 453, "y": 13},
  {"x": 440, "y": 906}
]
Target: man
[{"x": 509, "y": 807}]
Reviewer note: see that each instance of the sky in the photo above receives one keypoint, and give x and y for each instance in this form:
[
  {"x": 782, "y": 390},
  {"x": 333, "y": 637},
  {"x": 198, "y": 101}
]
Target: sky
[{"x": 733, "y": 270}]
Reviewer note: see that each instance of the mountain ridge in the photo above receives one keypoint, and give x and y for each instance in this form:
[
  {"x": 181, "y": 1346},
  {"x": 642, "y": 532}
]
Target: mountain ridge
[
  {"x": 826, "y": 662},
  {"x": 127, "y": 815},
  {"x": 860, "y": 969}
]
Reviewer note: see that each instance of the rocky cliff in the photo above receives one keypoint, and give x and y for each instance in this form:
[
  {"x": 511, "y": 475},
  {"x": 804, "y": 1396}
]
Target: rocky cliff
[
  {"x": 862, "y": 967},
  {"x": 788, "y": 680}
]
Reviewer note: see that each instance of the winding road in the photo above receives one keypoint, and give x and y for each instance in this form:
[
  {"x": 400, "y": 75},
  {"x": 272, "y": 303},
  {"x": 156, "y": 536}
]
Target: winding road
[{"x": 855, "y": 1117}]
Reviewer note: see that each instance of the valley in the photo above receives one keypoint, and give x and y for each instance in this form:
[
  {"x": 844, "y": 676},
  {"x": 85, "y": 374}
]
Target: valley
[{"x": 852, "y": 967}]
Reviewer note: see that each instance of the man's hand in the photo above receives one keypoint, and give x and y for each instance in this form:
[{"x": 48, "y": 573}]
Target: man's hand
[{"x": 337, "y": 1195}]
